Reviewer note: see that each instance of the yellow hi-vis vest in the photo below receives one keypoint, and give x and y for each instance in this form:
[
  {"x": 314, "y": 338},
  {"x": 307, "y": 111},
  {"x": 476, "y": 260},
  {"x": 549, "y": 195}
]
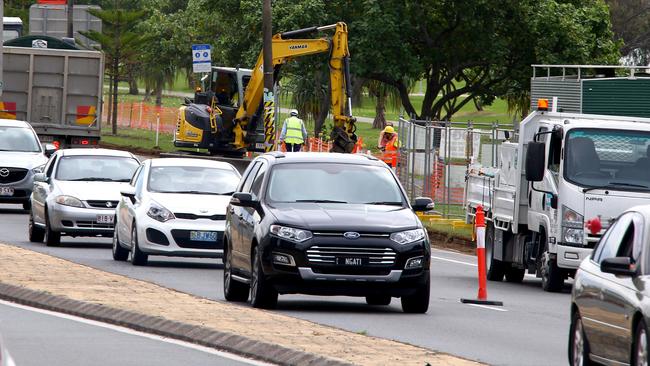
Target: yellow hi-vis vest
[{"x": 294, "y": 131}]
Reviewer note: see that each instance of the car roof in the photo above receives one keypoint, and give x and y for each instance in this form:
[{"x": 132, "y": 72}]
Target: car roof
[
  {"x": 13, "y": 123},
  {"x": 206, "y": 163},
  {"x": 323, "y": 157},
  {"x": 95, "y": 152}
]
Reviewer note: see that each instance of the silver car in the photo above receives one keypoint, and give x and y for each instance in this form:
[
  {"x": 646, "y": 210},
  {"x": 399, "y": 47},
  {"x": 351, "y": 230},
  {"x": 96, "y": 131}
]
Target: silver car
[
  {"x": 21, "y": 156},
  {"x": 78, "y": 192},
  {"x": 174, "y": 207}
]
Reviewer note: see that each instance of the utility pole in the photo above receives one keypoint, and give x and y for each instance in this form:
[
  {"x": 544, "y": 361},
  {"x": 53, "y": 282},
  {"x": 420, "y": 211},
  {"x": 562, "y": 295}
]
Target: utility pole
[
  {"x": 269, "y": 97},
  {"x": 70, "y": 18}
]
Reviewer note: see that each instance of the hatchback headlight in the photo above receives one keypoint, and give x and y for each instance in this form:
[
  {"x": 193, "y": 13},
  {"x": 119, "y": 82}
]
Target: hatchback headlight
[
  {"x": 408, "y": 236},
  {"x": 159, "y": 213},
  {"x": 69, "y": 201},
  {"x": 291, "y": 234}
]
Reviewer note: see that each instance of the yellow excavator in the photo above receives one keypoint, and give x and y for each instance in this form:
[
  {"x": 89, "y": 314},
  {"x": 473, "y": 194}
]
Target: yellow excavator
[{"x": 226, "y": 115}]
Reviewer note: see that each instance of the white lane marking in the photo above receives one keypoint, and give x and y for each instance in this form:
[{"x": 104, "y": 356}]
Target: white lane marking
[
  {"x": 527, "y": 275},
  {"x": 454, "y": 261},
  {"x": 487, "y": 307},
  {"x": 209, "y": 350}
]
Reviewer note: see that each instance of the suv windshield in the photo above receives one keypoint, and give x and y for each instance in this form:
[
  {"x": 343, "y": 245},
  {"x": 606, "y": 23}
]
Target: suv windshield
[
  {"x": 18, "y": 139},
  {"x": 192, "y": 179},
  {"x": 96, "y": 168},
  {"x": 335, "y": 183},
  {"x": 615, "y": 159}
]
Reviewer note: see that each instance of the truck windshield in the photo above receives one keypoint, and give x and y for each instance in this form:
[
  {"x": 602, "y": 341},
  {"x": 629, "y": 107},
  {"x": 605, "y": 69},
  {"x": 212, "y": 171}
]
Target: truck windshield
[
  {"x": 334, "y": 183},
  {"x": 614, "y": 159},
  {"x": 18, "y": 139}
]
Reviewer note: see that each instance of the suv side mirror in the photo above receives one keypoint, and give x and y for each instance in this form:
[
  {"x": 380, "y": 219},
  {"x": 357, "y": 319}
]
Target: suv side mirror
[
  {"x": 621, "y": 266},
  {"x": 40, "y": 177},
  {"x": 423, "y": 204},
  {"x": 49, "y": 149},
  {"x": 535, "y": 161},
  {"x": 243, "y": 199}
]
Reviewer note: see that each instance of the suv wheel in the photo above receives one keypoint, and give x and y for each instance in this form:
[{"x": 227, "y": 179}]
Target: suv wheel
[
  {"x": 263, "y": 295},
  {"x": 378, "y": 300},
  {"x": 419, "y": 301},
  {"x": 52, "y": 238},
  {"x": 119, "y": 253},
  {"x": 232, "y": 289},
  {"x": 36, "y": 234},
  {"x": 138, "y": 258}
]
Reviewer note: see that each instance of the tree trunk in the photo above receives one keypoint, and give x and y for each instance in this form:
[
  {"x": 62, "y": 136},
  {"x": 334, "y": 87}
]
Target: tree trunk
[
  {"x": 159, "y": 90},
  {"x": 147, "y": 95},
  {"x": 323, "y": 113},
  {"x": 478, "y": 104},
  {"x": 380, "y": 112},
  {"x": 116, "y": 66},
  {"x": 133, "y": 86}
]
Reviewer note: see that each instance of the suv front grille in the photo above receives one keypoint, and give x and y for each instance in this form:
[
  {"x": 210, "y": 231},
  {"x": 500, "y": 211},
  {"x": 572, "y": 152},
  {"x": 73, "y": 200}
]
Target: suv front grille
[
  {"x": 10, "y": 175},
  {"x": 319, "y": 254},
  {"x": 102, "y": 203}
]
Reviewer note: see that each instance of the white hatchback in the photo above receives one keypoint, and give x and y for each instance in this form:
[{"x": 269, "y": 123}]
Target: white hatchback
[{"x": 174, "y": 207}]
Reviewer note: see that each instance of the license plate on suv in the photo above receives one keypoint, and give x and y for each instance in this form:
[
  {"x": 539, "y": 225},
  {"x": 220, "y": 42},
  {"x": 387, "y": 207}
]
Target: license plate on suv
[
  {"x": 6, "y": 191},
  {"x": 203, "y": 235},
  {"x": 105, "y": 219},
  {"x": 351, "y": 261}
]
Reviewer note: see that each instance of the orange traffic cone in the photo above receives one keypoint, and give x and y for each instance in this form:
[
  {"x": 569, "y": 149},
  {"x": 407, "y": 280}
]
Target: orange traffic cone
[{"x": 480, "y": 256}]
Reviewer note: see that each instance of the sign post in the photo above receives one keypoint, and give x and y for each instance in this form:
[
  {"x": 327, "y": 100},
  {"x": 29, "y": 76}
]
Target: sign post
[{"x": 201, "y": 58}]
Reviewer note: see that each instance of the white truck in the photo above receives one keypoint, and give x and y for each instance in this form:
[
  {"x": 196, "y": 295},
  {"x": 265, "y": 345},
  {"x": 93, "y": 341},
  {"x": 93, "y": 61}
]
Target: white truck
[{"x": 566, "y": 172}]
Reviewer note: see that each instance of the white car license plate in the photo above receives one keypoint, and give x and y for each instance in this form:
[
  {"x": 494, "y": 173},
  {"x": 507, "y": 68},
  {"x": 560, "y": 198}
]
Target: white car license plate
[
  {"x": 6, "y": 191},
  {"x": 105, "y": 219},
  {"x": 203, "y": 235}
]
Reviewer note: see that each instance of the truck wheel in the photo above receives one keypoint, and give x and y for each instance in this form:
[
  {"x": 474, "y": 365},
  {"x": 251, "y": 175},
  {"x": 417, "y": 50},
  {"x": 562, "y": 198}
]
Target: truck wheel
[
  {"x": 515, "y": 275},
  {"x": 552, "y": 275},
  {"x": 418, "y": 303},
  {"x": 263, "y": 295},
  {"x": 495, "y": 268}
]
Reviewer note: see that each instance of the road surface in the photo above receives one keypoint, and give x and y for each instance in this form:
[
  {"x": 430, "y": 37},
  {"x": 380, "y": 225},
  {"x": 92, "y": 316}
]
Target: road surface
[{"x": 531, "y": 329}]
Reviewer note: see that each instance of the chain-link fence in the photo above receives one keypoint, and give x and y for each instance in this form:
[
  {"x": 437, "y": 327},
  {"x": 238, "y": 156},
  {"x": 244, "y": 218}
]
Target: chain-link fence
[{"x": 434, "y": 157}]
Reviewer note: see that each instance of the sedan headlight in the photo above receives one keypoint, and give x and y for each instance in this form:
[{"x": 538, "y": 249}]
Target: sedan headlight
[
  {"x": 408, "y": 236},
  {"x": 69, "y": 201},
  {"x": 159, "y": 213},
  {"x": 291, "y": 234}
]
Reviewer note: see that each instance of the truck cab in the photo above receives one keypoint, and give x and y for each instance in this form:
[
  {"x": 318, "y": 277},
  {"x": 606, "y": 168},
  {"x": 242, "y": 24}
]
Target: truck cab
[
  {"x": 12, "y": 27},
  {"x": 557, "y": 190}
]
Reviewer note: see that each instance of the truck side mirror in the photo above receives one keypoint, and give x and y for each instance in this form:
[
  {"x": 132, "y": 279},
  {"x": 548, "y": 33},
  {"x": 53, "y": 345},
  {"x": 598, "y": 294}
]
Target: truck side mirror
[{"x": 535, "y": 161}]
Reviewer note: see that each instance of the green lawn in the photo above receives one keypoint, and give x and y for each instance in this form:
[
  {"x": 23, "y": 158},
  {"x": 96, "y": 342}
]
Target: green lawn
[{"x": 137, "y": 139}]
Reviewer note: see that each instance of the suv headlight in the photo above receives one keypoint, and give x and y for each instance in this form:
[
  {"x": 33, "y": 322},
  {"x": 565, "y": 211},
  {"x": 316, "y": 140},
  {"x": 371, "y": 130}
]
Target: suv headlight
[
  {"x": 68, "y": 201},
  {"x": 572, "y": 226},
  {"x": 159, "y": 213},
  {"x": 292, "y": 234},
  {"x": 408, "y": 236}
]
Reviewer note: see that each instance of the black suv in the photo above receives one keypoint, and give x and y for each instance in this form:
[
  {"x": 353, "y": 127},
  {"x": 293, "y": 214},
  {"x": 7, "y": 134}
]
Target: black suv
[{"x": 325, "y": 224}]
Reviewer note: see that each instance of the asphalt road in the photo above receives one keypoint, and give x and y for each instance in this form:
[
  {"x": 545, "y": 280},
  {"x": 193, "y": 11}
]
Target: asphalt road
[
  {"x": 36, "y": 337},
  {"x": 530, "y": 329}
]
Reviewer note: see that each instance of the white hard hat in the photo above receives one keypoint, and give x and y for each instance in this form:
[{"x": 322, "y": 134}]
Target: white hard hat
[{"x": 293, "y": 112}]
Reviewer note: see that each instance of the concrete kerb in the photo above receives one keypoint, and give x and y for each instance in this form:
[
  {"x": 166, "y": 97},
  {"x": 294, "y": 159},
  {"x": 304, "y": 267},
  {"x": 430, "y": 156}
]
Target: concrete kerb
[{"x": 225, "y": 341}]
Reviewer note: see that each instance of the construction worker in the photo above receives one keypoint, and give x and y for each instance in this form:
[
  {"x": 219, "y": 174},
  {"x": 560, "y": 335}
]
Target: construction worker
[
  {"x": 389, "y": 144},
  {"x": 293, "y": 133}
]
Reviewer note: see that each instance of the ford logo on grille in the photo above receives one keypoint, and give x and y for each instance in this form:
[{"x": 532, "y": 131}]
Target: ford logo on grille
[
  {"x": 351, "y": 235},
  {"x": 4, "y": 172}
]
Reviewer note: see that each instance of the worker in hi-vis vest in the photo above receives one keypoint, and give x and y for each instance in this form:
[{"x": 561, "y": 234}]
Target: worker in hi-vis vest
[{"x": 293, "y": 133}]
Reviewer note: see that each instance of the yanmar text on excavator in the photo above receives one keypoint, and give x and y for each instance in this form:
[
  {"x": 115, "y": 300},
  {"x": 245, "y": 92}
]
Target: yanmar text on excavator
[{"x": 226, "y": 116}]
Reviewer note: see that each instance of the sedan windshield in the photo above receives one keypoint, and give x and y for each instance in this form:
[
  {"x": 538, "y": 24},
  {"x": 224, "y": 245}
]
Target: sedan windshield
[
  {"x": 18, "y": 139},
  {"x": 334, "y": 183},
  {"x": 192, "y": 180},
  {"x": 96, "y": 168},
  {"x": 614, "y": 159}
]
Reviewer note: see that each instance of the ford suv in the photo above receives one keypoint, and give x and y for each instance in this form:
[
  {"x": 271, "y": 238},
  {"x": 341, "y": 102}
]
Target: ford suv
[{"x": 325, "y": 224}]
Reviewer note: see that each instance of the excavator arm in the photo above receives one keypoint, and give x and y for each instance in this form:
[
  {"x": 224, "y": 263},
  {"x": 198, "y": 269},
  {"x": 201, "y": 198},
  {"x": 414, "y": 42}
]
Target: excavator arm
[{"x": 287, "y": 48}]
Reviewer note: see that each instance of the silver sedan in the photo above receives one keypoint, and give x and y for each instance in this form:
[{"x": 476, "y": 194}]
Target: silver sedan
[{"x": 78, "y": 192}]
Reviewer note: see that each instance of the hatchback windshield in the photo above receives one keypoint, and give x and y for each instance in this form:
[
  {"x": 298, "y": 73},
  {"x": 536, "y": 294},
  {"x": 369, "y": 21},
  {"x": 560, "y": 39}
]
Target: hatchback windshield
[
  {"x": 96, "y": 168},
  {"x": 192, "y": 179},
  {"x": 336, "y": 183},
  {"x": 18, "y": 139},
  {"x": 615, "y": 159}
]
